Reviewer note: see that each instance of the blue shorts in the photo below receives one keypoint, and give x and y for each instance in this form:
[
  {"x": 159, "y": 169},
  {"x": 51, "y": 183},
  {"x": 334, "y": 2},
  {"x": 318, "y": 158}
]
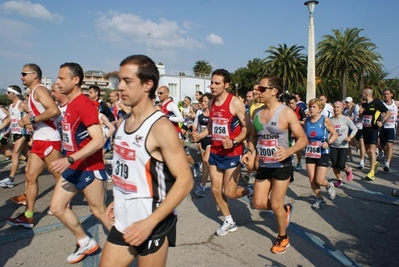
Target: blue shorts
[
  {"x": 81, "y": 179},
  {"x": 224, "y": 162},
  {"x": 387, "y": 136},
  {"x": 107, "y": 145}
]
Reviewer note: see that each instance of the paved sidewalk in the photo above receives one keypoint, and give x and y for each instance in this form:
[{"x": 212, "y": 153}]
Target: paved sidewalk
[{"x": 359, "y": 228}]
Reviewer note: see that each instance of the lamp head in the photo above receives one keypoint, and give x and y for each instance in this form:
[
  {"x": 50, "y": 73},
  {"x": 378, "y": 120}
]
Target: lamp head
[{"x": 311, "y": 5}]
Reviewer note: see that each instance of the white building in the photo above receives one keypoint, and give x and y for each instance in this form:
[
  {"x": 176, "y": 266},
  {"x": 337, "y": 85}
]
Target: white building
[
  {"x": 46, "y": 81},
  {"x": 183, "y": 83}
]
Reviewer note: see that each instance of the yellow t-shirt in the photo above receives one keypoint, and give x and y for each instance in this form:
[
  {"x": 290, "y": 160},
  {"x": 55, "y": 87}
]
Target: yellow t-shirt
[{"x": 253, "y": 107}]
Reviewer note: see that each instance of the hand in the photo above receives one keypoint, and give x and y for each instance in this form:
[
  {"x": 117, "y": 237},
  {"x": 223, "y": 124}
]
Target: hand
[
  {"x": 361, "y": 110},
  {"x": 137, "y": 233},
  {"x": 325, "y": 145},
  {"x": 348, "y": 139},
  {"x": 195, "y": 136},
  {"x": 248, "y": 159},
  {"x": 59, "y": 165},
  {"x": 281, "y": 153},
  {"x": 379, "y": 123},
  {"x": 110, "y": 213},
  {"x": 25, "y": 120},
  {"x": 227, "y": 143}
]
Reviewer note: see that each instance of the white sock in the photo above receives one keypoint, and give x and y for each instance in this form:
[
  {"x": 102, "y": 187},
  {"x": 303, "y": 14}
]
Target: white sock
[
  {"x": 84, "y": 242},
  {"x": 229, "y": 219}
]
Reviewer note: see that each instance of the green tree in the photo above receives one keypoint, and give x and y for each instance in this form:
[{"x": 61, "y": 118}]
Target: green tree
[
  {"x": 113, "y": 77},
  {"x": 246, "y": 77},
  {"x": 288, "y": 63},
  {"x": 202, "y": 67},
  {"x": 346, "y": 55}
]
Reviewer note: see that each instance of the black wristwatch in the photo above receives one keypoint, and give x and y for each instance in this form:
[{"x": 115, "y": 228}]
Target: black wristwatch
[
  {"x": 32, "y": 119},
  {"x": 71, "y": 160},
  {"x": 234, "y": 143}
]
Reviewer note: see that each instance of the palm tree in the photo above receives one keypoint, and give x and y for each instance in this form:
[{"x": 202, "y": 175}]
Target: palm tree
[
  {"x": 287, "y": 63},
  {"x": 202, "y": 67},
  {"x": 347, "y": 55}
]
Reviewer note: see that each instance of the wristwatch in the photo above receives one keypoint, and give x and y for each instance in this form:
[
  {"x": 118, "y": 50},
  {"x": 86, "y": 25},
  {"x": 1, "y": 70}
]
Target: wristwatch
[
  {"x": 70, "y": 160},
  {"x": 234, "y": 143},
  {"x": 32, "y": 119}
]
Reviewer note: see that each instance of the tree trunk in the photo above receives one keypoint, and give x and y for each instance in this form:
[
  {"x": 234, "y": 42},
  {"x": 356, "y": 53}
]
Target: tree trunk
[
  {"x": 361, "y": 81},
  {"x": 344, "y": 90}
]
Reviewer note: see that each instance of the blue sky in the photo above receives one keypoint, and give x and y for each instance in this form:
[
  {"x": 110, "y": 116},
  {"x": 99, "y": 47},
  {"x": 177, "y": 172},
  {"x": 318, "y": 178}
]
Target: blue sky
[{"x": 99, "y": 34}]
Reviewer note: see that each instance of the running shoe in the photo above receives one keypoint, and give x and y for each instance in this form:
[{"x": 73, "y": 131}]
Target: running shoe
[
  {"x": 298, "y": 167},
  {"x": 281, "y": 245},
  {"x": 200, "y": 191},
  {"x": 320, "y": 202},
  {"x": 20, "y": 199},
  {"x": 349, "y": 174},
  {"x": 361, "y": 165},
  {"x": 245, "y": 179},
  {"x": 226, "y": 228},
  {"x": 338, "y": 183},
  {"x": 386, "y": 167},
  {"x": 7, "y": 182},
  {"x": 81, "y": 252},
  {"x": 289, "y": 208},
  {"x": 21, "y": 220},
  {"x": 370, "y": 176},
  {"x": 331, "y": 191},
  {"x": 380, "y": 156}
]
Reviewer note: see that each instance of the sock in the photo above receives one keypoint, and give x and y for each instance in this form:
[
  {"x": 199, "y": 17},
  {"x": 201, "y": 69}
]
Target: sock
[
  {"x": 11, "y": 178},
  {"x": 282, "y": 236},
  {"x": 386, "y": 164},
  {"x": 362, "y": 162},
  {"x": 229, "y": 219},
  {"x": 29, "y": 214},
  {"x": 84, "y": 242}
]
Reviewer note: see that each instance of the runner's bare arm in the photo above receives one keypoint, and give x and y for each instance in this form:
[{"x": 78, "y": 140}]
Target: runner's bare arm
[
  {"x": 297, "y": 129},
  {"x": 238, "y": 109},
  {"x": 330, "y": 128}
]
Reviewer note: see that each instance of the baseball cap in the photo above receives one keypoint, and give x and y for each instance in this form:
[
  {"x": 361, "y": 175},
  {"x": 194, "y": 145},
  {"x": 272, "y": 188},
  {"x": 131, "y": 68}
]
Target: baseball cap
[{"x": 349, "y": 99}]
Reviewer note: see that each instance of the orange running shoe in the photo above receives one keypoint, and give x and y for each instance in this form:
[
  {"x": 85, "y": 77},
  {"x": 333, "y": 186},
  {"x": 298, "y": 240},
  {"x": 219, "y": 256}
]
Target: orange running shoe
[
  {"x": 281, "y": 245},
  {"x": 20, "y": 199}
]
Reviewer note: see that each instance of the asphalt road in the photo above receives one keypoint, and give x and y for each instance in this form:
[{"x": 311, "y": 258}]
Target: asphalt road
[{"x": 359, "y": 228}]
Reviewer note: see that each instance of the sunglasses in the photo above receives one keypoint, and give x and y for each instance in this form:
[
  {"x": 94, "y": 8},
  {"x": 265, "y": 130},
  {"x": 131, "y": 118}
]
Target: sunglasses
[
  {"x": 160, "y": 93},
  {"x": 25, "y": 73},
  {"x": 263, "y": 89}
]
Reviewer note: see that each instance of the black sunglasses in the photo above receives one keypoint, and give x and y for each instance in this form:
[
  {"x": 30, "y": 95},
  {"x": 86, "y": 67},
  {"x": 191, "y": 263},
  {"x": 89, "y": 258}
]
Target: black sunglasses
[
  {"x": 25, "y": 73},
  {"x": 263, "y": 89},
  {"x": 160, "y": 93}
]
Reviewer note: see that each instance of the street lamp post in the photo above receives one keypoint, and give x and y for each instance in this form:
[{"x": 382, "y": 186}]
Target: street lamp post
[
  {"x": 236, "y": 89},
  {"x": 311, "y": 79}
]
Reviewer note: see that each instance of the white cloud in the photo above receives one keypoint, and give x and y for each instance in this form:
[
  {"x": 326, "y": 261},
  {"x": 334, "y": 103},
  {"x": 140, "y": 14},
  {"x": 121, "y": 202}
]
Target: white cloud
[
  {"x": 214, "y": 39},
  {"x": 29, "y": 10},
  {"x": 14, "y": 33},
  {"x": 126, "y": 27}
]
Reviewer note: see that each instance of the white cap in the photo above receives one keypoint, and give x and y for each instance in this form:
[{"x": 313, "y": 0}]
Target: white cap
[{"x": 349, "y": 99}]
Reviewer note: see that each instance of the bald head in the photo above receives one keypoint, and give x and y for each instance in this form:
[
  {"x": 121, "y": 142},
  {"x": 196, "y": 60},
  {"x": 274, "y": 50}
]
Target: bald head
[{"x": 368, "y": 92}]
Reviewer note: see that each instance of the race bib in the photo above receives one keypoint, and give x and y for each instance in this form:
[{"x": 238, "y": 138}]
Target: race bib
[
  {"x": 67, "y": 143},
  {"x": 266, "y": 150},
  {"x": 15, "y": 128},
  {"x": 313, "y": 150},
  {"x": 366, "y": 120},
  {"x": 220, "y": 128}
]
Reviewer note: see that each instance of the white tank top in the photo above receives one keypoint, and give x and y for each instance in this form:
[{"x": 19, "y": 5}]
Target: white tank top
[
  {"x": 15, "y": 117},
  {"x": 356, "y": 118},
  {"x": 140, "y": 181},
  {"x": 391, "y": 121},
  {"x": 42, "y": 130}
]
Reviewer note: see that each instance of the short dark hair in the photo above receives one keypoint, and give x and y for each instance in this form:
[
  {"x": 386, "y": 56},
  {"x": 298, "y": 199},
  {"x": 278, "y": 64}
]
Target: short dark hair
[
  {"x": 16, "y": 88},
  {"x": 274, "y": 81},
  {"x": 293, "y": 98},
  {"x": 200, "y": 93},
  {"x": 36, "y": 69},
  {"x": 96, "y": 89},
  {"x": 222, "y": 72},
  {"x": 390, "y": 90},
  {"x": 189, "y": 98},
  {"x": 147, "y": 70},
  {"x": 75, "y": 69}
]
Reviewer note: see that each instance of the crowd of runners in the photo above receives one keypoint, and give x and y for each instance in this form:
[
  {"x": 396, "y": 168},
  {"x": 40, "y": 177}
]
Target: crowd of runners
[{"x": 152, "y": 167}]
